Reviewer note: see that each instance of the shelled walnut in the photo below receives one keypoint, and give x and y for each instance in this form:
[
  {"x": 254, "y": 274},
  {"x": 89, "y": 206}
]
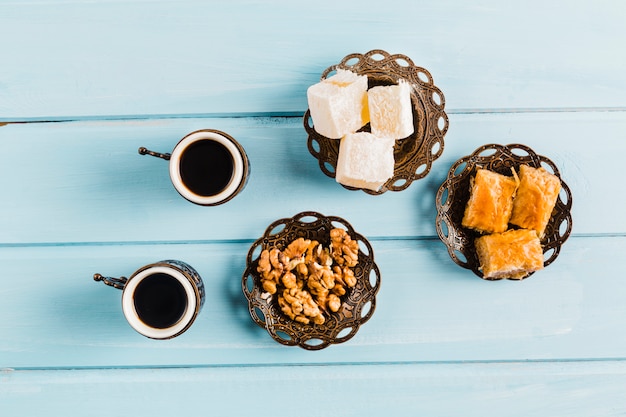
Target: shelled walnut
[
  {"x": 308, "y": 278},
  {"x": 343, "y": 249}
]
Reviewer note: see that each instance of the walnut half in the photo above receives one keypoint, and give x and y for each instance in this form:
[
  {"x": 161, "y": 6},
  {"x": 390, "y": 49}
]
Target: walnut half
[{"x": 309, "y": 278}]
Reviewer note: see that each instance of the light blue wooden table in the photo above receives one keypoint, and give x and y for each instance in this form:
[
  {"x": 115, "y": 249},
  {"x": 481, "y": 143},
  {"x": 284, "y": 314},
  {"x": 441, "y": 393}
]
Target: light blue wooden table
[{"x": 83, "y": 84}]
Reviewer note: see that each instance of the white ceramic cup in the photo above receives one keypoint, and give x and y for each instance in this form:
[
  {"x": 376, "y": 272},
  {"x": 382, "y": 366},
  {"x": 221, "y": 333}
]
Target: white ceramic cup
[
  {"x": 160, "y": 300},
  {"x": 207, "y": 167}
]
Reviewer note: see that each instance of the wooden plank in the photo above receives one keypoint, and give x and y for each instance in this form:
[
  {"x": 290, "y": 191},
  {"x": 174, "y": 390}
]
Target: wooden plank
[
  {"x": 428, "y": 309},
  {"x": 76, "y": 198},
  {"x": 472, "y": 389},
  {"x": 71, "y": 59},
  {"x": 85, "y": 181}
]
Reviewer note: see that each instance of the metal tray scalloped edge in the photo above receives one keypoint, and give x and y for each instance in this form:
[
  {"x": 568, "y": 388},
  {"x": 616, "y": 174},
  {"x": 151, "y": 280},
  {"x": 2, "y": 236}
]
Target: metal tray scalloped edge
[
  {"x": 454, "y": 193},
  {"x": 414, "y": 155},
  {"x": 357, "y": 306}
]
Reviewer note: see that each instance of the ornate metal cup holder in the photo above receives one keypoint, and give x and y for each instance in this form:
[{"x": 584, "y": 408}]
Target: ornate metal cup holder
[
  {"x": 414, "y": 154},
  {"x": 357, "y": 305},
  {"x": 453, "y": 195}
]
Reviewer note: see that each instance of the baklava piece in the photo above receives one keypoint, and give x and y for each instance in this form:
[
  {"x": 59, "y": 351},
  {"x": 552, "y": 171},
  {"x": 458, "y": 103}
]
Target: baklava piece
[
  {"x": 512, "y": 254},
  {"x": 491, "y": 201},
  {"x": 536, "y": 197}
]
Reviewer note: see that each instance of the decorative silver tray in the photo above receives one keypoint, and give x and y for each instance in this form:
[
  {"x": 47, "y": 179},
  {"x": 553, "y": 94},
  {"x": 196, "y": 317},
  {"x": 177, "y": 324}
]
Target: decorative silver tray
[
  {"x": 454, "y": 194},
  {"x": 357, "y": 306},
  {"x": 413, "y": 155}
]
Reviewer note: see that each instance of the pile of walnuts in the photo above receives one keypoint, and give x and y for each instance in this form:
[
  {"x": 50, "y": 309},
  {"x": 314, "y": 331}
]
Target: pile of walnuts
[{"x": 308, "y": 277}]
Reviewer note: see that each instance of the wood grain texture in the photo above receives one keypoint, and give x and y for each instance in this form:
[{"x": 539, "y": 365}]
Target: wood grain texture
[
  {"x": 68, "y": 59},
  {"x": 512, "y": 389},
  {"x": 85, "y": 181},
  {"x": 83, "y": 84},
  {"x": 428, "y": 309}
]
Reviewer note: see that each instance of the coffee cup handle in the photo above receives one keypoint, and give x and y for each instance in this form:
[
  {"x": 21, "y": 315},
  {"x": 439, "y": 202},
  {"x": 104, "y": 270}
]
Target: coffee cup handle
[
  {"x": 144, "y": 151},
  {"x": 113, "y": 282}
]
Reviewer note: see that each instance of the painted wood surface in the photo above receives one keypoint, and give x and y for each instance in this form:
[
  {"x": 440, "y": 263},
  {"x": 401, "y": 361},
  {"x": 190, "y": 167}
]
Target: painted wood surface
[
  {"x": 468, "y": 389},
  {"x": 83, "y": 84},
  {"x": 121, "y": 196},
  {"x": 428, "y": 309},
  {"x": 68, "y": 59}
]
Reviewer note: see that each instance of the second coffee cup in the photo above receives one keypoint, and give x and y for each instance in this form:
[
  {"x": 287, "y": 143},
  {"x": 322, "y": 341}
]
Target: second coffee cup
[
  {"x": 160, "y": 300},
  {"x": 207, "y": 167}
]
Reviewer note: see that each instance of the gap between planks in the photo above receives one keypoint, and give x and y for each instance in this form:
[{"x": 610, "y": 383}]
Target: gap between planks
[{"x": 287, "y": 115}]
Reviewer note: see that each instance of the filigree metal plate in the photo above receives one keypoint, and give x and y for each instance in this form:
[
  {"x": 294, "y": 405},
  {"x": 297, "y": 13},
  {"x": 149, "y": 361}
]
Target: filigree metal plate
[
  {"x": 454, "y": 194},
  {"x": 357, "y": 305},
  {"x": 413, "y": 155}
]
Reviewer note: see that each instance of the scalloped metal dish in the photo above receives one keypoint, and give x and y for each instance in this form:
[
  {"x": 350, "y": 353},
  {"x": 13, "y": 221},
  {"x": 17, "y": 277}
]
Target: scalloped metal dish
[
  {"x": 413, "y": 155},
  {"x": 357, "y": 305},
  {"x": 453, "y": 195}
]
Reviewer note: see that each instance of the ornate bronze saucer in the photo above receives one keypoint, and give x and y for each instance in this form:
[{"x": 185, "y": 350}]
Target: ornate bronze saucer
[
  {"x": 454, "y": 194},
  {"x": 358, "y": 303},
  {"x": 413, "y": 155}
]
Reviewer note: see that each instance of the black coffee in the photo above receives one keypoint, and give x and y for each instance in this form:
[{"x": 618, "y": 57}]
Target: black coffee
[
  {"x": 160, "y": 300},
  {"x": 206, "y": 167}
]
